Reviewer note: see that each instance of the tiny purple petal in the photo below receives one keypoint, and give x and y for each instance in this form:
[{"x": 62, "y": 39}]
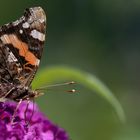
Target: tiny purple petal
[{"x": 39, "y": 128}]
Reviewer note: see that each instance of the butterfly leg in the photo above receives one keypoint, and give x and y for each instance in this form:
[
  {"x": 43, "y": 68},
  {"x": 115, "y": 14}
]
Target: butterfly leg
[
  {"x": 32, "y": 112},
  {"x": 26, "y": 111},
  {"x": 9, "y": 92},
  {"x": 14, "y": 114}
]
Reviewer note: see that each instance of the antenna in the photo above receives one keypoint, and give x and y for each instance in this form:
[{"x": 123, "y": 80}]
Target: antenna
[{"x": 58, "y": 85}]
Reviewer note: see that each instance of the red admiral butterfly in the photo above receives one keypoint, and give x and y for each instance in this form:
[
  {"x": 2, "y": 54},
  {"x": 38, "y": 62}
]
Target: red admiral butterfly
[{"x": 21, "y": 45}]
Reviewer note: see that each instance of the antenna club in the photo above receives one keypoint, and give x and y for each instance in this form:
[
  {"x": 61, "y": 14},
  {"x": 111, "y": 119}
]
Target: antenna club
[
  {"x": 72, "y": 82},
  {"x": 72, "y": 91}
]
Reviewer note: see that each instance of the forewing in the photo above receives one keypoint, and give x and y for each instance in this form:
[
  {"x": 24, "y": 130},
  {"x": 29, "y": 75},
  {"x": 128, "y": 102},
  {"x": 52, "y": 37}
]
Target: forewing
[{"x": 21, "y": 46}]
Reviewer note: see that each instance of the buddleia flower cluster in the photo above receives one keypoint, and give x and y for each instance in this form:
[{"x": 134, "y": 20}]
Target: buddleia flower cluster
[{"x": 39, "y": 126}]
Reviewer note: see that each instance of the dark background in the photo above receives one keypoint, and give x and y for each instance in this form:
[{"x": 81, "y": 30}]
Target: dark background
[{"x": 100, "y": 37}]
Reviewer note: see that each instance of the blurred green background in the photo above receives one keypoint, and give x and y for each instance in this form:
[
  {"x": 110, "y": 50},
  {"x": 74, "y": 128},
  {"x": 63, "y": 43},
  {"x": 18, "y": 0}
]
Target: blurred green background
[{"x": 100, "y": 37}]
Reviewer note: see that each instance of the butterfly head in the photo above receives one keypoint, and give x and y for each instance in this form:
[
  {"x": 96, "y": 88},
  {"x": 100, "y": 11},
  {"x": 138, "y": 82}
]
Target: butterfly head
[{"x": 34, "y": 94}]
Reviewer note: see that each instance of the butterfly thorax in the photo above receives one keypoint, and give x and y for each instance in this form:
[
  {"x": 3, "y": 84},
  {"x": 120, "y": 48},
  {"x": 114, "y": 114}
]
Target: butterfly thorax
[{"x": 16, "y": 92}]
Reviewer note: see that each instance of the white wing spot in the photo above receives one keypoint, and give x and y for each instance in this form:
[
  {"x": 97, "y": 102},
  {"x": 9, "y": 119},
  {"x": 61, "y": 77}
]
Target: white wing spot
[
  {"x": 16, "y": 22},
  {"x": 25, "y": 25},
  {"x": 37, "y": 62},
  {"x": 37, "y": 35},
  {"x": 42, "y": 20},
  {"x": 11, "y": 57},
  {"x": 21, "y": 31}
]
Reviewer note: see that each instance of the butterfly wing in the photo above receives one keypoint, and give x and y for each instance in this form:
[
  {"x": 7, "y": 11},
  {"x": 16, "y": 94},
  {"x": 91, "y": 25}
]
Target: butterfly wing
[{"x": 21, "y": 46}]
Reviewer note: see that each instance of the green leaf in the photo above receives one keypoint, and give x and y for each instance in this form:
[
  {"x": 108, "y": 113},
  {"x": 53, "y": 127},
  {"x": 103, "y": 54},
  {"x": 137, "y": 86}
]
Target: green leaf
[{"x": 55, "y": 73}]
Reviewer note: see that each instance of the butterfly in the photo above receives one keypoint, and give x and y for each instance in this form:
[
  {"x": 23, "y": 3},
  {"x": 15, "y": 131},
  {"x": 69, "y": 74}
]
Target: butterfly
[{"x": 21, "y": 46}]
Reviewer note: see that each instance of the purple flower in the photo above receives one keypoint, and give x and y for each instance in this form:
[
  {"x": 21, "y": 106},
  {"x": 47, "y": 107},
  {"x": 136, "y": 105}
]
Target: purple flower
[{"x": 39, "y": 128}]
